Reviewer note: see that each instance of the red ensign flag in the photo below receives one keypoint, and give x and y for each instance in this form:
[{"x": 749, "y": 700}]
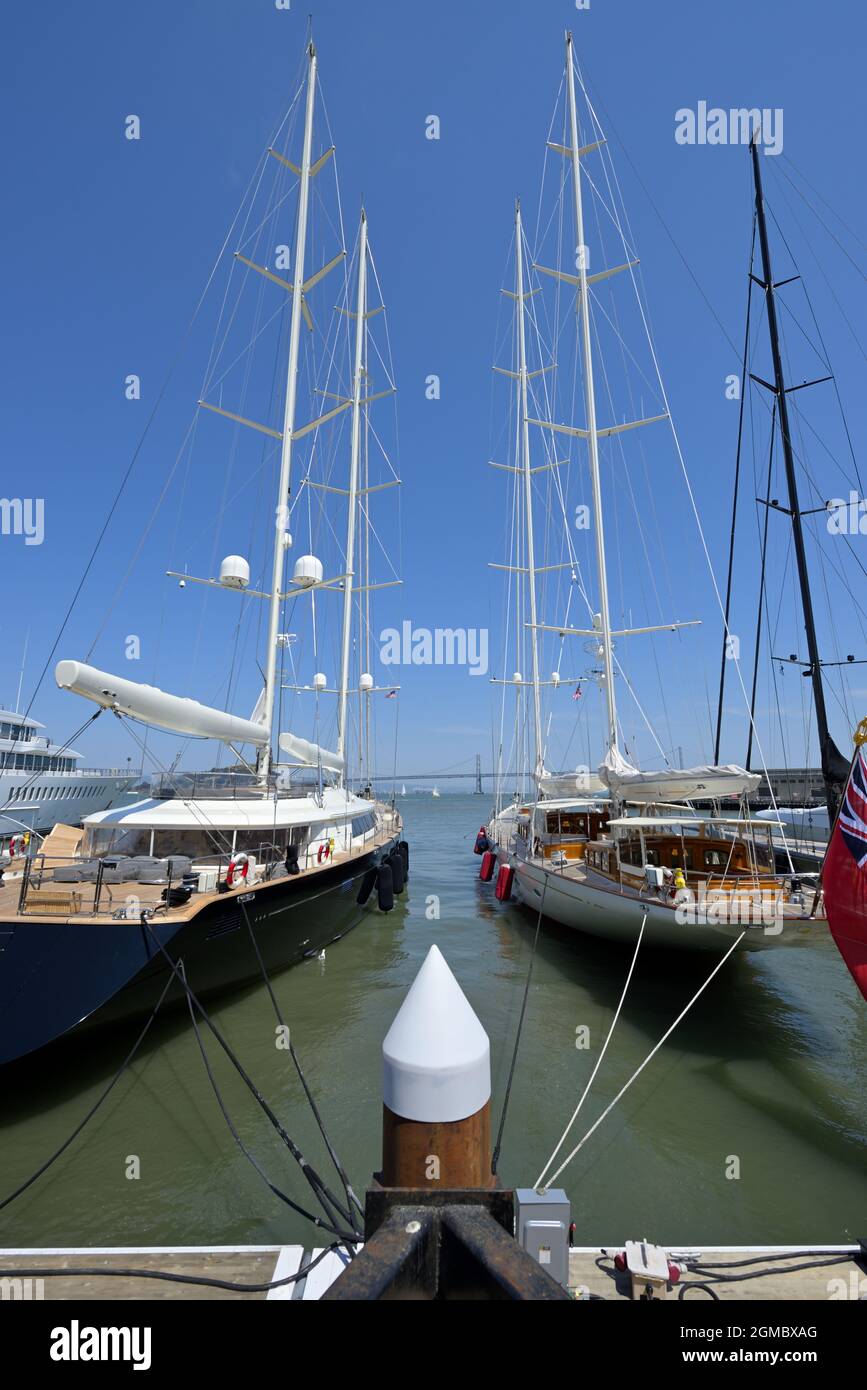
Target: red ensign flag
[{"x": 844, "y": 876}]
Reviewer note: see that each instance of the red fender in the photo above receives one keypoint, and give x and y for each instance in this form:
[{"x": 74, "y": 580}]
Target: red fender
[
  {"x": 505, "y": 879},
  {"x": 486, "y": 872}
]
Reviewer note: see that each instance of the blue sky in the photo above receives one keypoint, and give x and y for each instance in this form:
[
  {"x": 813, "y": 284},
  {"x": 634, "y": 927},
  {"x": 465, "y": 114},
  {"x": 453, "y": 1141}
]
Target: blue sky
[{"x": 107, "y": 244}]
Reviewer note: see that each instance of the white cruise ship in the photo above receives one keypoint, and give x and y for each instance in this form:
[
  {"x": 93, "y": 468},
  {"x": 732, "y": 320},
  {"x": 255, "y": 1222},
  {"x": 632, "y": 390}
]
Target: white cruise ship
[{"x": 41, "y": 783}]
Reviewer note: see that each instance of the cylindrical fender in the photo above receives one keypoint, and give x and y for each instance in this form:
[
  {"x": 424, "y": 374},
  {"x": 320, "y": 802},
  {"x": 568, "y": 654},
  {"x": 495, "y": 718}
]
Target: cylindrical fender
[
  {"x": 398, "y": 870},
  {"x": 385, "y": 887},
  {"x": 368, "y": 883},
  {"x": 489, "y": 861},
  {"x": 505, "y": 879}
]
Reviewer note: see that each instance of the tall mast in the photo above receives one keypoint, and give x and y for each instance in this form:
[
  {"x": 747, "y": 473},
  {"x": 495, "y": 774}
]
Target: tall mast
[
  {"x": 357, "y": 393},
  {"x": 590, "y": 398},
  {"x": 833, "y": 765},
  {"x": 288, "y": 418},
  {"x": 528, "y": 485}
]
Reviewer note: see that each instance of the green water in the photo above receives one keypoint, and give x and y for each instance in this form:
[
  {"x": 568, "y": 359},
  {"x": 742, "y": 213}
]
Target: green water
[{"x": 770, "y": 1068}]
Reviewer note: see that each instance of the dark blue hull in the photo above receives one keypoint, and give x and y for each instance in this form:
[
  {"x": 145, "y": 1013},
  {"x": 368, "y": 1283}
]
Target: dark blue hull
[{"x": 60, "y": 979}]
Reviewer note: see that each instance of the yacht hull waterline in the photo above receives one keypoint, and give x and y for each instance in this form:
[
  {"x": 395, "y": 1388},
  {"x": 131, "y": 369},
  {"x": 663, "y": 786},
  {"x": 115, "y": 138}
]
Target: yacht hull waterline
[{"x": 604, "y": 911}]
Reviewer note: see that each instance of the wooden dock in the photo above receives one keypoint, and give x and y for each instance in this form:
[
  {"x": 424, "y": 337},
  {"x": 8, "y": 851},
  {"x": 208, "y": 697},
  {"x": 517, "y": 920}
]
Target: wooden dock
[{"x": 591, "y": 1273}]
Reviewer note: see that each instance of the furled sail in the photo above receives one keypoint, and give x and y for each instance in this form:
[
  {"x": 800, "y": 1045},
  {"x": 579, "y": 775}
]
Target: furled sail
[
  {"x": 674, "y": 783},
  {"x": 578, "y": 783},
  {"x": 153, "y": 706},
  {"x": 305, "y": 754}
]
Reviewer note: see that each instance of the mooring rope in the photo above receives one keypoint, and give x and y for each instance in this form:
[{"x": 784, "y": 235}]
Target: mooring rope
[
  {"x": 333, "y": 1215},
  {"x": 351, "y": 1198},
  {"x": 649, "y": 1058},
  {"x": 496, "y": 1155},
  {"x": 318, "y": 1186},
  {"x": 93, "y": 1109},
  {"x": 538, "y": 1182}
]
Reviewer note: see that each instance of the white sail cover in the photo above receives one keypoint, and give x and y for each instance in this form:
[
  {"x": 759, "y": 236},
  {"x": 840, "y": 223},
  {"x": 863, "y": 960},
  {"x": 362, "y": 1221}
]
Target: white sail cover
[
  {"x": 153, "y": 706},
  {"x": 674, "y": 783},
  {"x": 578, "y": 783},
  {"x": 306, "y": 754}
]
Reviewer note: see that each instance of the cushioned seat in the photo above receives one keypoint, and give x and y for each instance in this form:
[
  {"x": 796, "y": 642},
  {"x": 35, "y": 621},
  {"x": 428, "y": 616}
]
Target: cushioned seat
[{"x": 161, "y": 870}]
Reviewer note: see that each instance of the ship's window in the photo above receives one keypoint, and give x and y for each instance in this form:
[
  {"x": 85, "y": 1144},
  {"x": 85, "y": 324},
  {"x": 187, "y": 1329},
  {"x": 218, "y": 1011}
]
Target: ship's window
[
  {"x": 361, "y": 825},
  {"x": 265, "y": 843},
  {"x": 714, "y": 858}
]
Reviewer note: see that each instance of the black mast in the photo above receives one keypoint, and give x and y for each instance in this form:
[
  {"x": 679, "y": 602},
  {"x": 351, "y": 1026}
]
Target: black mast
[{"x": 834, "y": 766}]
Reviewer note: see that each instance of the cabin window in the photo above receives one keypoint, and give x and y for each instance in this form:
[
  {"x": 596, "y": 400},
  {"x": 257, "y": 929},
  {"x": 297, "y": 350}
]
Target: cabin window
[
  {"x": 101, "y": 842},
  {"x": 567, "y": 823},
  {"x": 715, "y": 858}
]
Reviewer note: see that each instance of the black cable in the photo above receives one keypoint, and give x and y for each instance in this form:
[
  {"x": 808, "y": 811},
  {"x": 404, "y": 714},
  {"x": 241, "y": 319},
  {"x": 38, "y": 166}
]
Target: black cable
[
  {"x": 351, "y": 1199},
  {"x": 496, "y": 1154},
  {"x": 309, "y": 1172},
  {"x": 251, "y": 1158},
  {"x": 92, "y": 1111},
  {"x": 228, "y": 1284},
  {"x": 780, "y": 1269}
]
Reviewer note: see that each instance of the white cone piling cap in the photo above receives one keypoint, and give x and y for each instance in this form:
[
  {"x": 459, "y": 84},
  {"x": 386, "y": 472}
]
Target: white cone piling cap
[{"x": 436, "y": 1058}]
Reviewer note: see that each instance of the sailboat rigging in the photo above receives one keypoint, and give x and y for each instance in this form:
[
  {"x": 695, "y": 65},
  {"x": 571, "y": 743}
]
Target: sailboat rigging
[
  {"x": 603, "y": 851},
  {"x": 280, "y": 843}
]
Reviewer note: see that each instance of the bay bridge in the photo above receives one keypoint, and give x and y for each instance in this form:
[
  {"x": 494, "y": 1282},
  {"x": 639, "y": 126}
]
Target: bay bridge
[{"x": 783, "y": 786}]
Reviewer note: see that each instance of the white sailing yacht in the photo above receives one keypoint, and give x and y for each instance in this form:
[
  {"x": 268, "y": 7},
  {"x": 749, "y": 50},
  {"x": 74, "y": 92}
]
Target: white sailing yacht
[
  {"x": 268, "y": 860},
  {"x": 618, "y": 849}
]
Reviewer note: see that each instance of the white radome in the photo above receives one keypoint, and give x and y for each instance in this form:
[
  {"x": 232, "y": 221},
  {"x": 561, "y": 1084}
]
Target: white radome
[
  {"x": 234, "y": 572},
  {"x": 307, "y": 572},
  {"x": 365, "y": 682}
]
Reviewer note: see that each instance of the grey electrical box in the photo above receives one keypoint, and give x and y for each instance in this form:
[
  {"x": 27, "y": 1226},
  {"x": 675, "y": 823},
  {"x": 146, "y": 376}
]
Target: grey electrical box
[{"x": 542, "y": 1223}]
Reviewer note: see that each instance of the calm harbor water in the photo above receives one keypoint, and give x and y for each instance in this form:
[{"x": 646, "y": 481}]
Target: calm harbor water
[{"x": 769, "y": 1069}]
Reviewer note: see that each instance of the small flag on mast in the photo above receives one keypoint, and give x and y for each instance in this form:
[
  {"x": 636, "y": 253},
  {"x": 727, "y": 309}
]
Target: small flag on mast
[
  {"x": 577, "y": 693},
  {"x": 392, "y": 695}
]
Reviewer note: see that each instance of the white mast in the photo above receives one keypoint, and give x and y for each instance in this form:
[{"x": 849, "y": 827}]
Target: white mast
[
  {"x": 528, "y": 485},
  {"x": 357, "y": 393},
  {"x": 288, "y": 420},
  {"x": 584, "y": 314}
]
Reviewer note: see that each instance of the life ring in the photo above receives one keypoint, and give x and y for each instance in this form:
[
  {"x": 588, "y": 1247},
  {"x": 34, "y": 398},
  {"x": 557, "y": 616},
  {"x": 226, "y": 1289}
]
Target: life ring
[
  {"x": 324, "y": 852},
  {"x": 17, "y": 846},
  {"x": 238, "y": 865}
]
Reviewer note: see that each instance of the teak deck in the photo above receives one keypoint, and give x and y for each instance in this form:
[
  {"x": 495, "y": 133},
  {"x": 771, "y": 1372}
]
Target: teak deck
[{"x": 113, "y": 895}]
